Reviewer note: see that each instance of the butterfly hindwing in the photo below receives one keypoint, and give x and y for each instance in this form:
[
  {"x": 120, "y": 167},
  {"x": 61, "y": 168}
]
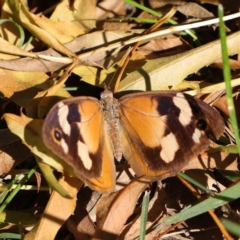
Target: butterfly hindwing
[
  {"x": 162, "y": 131},
  {"x": 74, "y": 130}
]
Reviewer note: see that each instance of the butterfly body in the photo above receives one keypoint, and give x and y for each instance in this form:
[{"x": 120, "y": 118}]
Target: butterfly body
[
  {"x": 156, "y": 132},
  {"x": 111, "y": 115}
]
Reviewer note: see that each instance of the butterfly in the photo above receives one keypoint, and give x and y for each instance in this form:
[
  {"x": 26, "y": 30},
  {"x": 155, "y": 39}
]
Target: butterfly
[{"x": 157, "y": 132}]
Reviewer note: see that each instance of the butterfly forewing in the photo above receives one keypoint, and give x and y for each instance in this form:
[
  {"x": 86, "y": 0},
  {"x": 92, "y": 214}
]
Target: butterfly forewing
[
  {"x": 165, "y": 130},
  {"x": 74, "y": 130}
]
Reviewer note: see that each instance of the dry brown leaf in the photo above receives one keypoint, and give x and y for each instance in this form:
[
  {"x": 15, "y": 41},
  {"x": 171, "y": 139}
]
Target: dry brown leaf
[
  {"x": 107, "y": 18},
  {"x": 212, "y": 98},
  {"x": 25, "y": 18},
  {"x": 195, "y": 10},
  {"x": 215, "y": 159},
  {"x": 28, "y": 19},
  {"x": 117, "y": 8},
  {"x": 234, "y": 64},
  {"x": 221, "y": 103},
  {"x": 86, "y": 42},
  {"x": 30, "y": 131},
  {"x": 13, "y": 88},
  {"x": 81, "y": 225},
  {"x": 8, "y": 30},
  {"x": 16, "y": 84},
  {"x": 50, "y": 95},
  {"x": 57, "y": 211},
  {"x": 36, "y": 108},
  {"x": 63, "y": 31},
  {"x": 157, "y": 47},
  {"x": 162, "y": 72},
  {"x": 8, "y": 48},
  {"x": 32, "y": 64},
  {"x": 82, "y": 16},
  {"x": 12, "y": 154},
  {"x": 119, "y": 207},
  {"x": 86, "y": 16},
  {"x": 228, "y": 5},
  {"x": 156, "y": 212},
  {"x": 115, "y": 209},
  {"x": 157, "y": 4}
]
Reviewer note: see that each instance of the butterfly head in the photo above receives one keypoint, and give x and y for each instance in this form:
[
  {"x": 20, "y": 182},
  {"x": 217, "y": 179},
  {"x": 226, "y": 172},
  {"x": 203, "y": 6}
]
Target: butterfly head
[{"x": 106, "y": 94}]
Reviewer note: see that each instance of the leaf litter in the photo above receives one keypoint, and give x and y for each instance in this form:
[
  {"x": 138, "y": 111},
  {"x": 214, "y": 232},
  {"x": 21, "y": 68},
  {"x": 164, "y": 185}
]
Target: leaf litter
[{"x": 28, "y": 75}]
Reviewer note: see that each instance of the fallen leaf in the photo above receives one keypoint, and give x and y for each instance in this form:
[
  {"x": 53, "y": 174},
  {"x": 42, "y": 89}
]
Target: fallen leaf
[
  {"x": 16, "y": 84},
  {"x": 12, "y": 151},
  {"x": 56, "y": 212},
  {"x": 195, "y": 10},
  {"x": 26, "y": 18},
  {"x": 159, "y": 73},
  {"x": 213, "y": 159},
  {"x": 8, "y": 48},
  {"x": 234, "y": 64},
  {"x": 81, "y": 225},
  {"x": 157, "y": 47},
  {"x": 156, "y": 213},
  {"x": 30, "y": 131},
  {"x": 112, "y": 216}
]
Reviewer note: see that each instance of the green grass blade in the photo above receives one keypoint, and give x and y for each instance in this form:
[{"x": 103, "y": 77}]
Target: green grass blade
[
  {"x": 159, "y": 15},
  {"x": 144, "y": 215},
  {"x": 10, "y": 236},
  {"x": 227, "y": 77},
  {"x": 232, "y": 227},
  {"x": 20, "y": 29},
  {"x": 197, "y": 184},
  {"x": 15, "y": 190},
  {"x": 208, "y": 204}
]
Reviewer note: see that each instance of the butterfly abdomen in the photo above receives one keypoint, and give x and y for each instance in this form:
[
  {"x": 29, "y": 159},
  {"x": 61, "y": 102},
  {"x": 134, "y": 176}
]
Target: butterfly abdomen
[
  {"x": 111, "y": 116},
  {"x": 113, "y": 131}
]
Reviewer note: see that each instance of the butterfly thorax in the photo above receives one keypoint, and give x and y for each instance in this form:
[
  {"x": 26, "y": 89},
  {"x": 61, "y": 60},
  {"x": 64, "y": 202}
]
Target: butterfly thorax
[{"x": 111, "y": 115}]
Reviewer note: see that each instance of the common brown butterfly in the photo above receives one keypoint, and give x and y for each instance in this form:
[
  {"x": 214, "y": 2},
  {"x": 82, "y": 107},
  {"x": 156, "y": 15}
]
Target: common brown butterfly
[{"x": 155, "y": 131}]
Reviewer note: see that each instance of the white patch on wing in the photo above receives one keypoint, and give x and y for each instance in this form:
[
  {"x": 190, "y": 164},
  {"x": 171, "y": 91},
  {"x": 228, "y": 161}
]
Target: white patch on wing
[
  {"x": 185, "y": 110},
  {"x": 196, "y": 136},
  {"x": 84, "y": 155},
  {"x": 63, "y": 122},
  {"x": 169, "y": 147},
  {"x": 64, "y": 146}
]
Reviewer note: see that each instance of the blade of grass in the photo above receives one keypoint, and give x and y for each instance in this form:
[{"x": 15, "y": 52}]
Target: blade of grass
[
  {"x": 10, "y": 236},
  {"x": 8, "y": 187},
  {"x": 20, "y": 28},
  {"x": 17, "y": 189},
  {"x": 144, "y": 215},
  {"x": 194, "y": 182},
  {"x": 159, "y": 15},
  {"x": 231, "y": 226},
  {"x": 202, "y": 207},
  {"x": 227, "y": 77}
]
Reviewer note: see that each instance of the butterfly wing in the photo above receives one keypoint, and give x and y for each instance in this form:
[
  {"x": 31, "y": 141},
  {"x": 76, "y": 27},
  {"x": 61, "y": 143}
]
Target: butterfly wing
[
  {"x": 74, "y": 130},
  {"x": 164, "y": 130}
]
